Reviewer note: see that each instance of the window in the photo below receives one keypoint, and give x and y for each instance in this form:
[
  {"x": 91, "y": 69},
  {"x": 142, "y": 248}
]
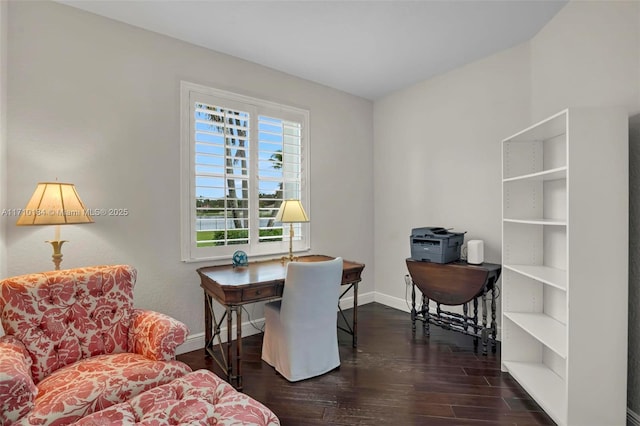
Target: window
[{"x": 241, "y": 157}]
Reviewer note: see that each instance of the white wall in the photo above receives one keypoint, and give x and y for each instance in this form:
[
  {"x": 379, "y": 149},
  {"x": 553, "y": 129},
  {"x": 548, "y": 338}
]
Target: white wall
[
  {"x": 95, "y": 102},
  {"x": 587, "y": 55},
  {"x": 437, "y": 159}
]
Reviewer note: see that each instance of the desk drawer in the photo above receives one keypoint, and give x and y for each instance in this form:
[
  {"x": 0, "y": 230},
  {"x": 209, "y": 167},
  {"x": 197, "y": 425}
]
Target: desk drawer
[
  {"x": 258, "y": 293},
  {"x": 349, "y": 277}
]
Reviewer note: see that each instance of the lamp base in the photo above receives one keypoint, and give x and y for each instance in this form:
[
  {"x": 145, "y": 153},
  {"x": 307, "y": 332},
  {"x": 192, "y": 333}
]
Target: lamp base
[
  {"x": 291, "y": 257},
  {"x": 56, "y": 257}
]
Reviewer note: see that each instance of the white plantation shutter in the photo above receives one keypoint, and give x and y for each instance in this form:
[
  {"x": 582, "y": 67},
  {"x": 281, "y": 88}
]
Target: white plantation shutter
[
  {"x": 279, "y": 171},
  {"x": 241, "y": 157},
  {"x": 221, "y": 175}
]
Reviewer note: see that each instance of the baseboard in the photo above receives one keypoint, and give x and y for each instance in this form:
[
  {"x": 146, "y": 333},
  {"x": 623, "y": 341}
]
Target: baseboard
[
  {"x": 633, "y": 419},
  {"x": 195, "y": 341},
  {"x": 363, "y": 298},
  {"x": 392, "y": 302}
]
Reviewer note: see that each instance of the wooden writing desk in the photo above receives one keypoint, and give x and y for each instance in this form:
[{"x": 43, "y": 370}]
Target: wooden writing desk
[
  {"x": 456, "y": 283},
  {"x": 233, "y": 287}
]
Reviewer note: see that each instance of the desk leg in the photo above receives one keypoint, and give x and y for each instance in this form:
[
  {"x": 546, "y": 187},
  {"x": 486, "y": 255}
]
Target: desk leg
[
  {"x": 484, "y": 323},
  {"x": 213, "y": 333},
  {"x": 239, "y": 346},
  {"x": 207, "y": 324},
  {"x": 229, "y": 312},
  {"x": 355, "y": 315},
  {"x": 353, "y": 328}
]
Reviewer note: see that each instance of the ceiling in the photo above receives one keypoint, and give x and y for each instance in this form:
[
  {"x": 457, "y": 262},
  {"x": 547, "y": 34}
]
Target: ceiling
[{"x": 366, "y": 48}]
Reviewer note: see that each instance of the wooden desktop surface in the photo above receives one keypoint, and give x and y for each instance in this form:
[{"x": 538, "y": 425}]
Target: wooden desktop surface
[
  {"x": 261, "y": 280},
  {"x": 452, "y": 283}
]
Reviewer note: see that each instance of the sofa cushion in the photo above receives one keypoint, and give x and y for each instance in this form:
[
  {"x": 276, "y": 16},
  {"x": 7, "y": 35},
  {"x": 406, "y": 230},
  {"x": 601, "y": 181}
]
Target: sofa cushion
[
  {"x": 199, "y": 398},
  {"x": 96, "y": 383},
  {"x": 64, "y": 316}
]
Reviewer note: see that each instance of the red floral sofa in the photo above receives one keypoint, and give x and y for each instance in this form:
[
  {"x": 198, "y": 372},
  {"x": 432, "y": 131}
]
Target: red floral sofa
[{"x": 75, "y": 345}]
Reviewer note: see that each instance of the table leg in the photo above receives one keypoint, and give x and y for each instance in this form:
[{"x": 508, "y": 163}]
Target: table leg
[
  {"x": 413, "y": 307},
  {"x": 230, "y": 310},
  {"x": 355, "y": 315},
  {"x": 207, "y": 324},
  {"x": 425, "y": 307},
  {"x": 475, "y": 311},
  {"x": 465, "y": 313},
  {"x": 216, "y": 334},
  {"x": 494, "y": 327},
  {"x": 239, "y": 346},
  {"x": 353, "y": 328},
  {"x": 484, "y": 323},
  {"x": 475, "y": 321}
]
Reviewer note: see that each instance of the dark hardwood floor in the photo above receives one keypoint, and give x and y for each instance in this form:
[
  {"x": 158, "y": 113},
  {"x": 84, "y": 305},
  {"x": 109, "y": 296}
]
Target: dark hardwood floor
[{"x": 392, "y": 378}]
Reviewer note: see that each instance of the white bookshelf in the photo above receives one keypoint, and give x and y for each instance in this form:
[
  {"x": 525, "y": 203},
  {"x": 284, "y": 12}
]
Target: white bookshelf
[{"x": 565, "y": 256}]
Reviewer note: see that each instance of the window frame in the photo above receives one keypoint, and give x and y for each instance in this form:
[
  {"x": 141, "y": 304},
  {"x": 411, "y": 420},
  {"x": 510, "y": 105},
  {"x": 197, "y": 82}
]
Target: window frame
[{"x": 256, "y": 107}]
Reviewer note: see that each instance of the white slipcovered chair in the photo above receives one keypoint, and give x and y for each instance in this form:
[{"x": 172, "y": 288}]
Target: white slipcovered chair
[{"x": 301, "y": 335}]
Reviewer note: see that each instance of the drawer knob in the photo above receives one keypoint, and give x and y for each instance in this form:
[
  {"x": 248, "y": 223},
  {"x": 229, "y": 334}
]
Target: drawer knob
[{"x": 258, "y": 292}]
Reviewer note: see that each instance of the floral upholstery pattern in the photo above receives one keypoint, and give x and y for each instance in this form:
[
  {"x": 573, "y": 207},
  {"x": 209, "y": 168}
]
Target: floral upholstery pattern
[
  {"x": 16, "y": 386},
  {"x": 155, "y": 335},
  {"x": 96, "y": 383},
  {"x": 74, "y": 343},
  {"x": 199, "y": 398}
]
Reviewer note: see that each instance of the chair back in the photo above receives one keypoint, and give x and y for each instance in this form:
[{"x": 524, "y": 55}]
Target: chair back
[
  {"x": 311, "y": 293},
  {"x": 64, "y": 316}
]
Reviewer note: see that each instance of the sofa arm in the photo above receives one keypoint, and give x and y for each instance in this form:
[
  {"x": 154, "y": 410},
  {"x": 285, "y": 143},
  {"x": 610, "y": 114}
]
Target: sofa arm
[
  {"x": 155, "y": 335},
  {"x": 17, "y": 389}
]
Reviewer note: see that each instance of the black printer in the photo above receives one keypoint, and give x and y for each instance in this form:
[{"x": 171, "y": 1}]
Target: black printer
[{"x": 434, "y": 244}]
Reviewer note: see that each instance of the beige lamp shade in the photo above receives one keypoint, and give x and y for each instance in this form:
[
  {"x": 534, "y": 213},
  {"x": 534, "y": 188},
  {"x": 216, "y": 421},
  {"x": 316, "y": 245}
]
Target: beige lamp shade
[
  {"x": 291, "y": 211},
  {"x": 54, "y": 203}
]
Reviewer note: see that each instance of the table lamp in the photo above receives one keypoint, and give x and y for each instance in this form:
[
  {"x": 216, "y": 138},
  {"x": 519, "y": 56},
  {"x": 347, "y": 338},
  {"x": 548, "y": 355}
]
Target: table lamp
[
  {"x": 291, "y": 211},
  {"x": 54, "y": 203}
]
